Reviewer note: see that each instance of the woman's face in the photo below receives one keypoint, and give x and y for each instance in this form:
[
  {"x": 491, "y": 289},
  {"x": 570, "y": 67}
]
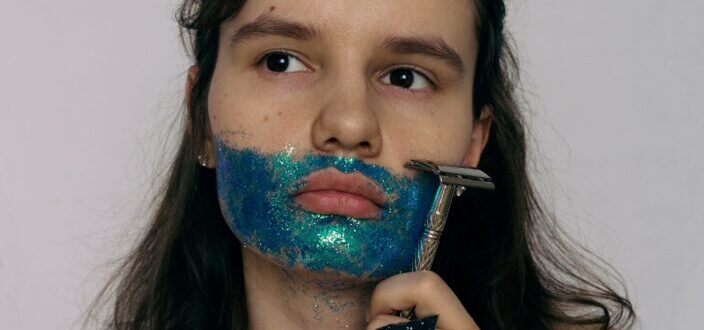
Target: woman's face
[
  {"x": 381, "y": 82},
  {"x": 346, "y": 90}
]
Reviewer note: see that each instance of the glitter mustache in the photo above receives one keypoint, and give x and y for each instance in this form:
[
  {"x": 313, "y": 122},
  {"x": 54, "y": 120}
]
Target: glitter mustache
[{"x": 254, "y": 193}]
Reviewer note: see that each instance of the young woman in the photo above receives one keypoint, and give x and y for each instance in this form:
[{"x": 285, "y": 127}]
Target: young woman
[{"x": 288, "y": 205}]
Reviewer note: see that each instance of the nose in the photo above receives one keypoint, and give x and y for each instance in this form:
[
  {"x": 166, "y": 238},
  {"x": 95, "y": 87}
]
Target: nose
[{"x": 347, "y": 123}]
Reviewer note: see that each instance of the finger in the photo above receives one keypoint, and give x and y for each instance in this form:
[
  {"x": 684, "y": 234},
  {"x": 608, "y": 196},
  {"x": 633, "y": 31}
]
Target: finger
[
  {"x": 381, "y": 320},
  {"x": 427, "y": 292}
]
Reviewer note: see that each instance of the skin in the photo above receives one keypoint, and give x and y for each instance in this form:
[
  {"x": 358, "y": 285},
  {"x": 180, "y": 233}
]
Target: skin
[{"x": 336, "y": 98}]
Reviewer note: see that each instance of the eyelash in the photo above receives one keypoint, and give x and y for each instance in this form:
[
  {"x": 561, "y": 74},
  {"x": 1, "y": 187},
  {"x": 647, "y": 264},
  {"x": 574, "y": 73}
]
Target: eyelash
[
  {"x": 432, "y": 83},
  {"x": 262, "y": 59}
]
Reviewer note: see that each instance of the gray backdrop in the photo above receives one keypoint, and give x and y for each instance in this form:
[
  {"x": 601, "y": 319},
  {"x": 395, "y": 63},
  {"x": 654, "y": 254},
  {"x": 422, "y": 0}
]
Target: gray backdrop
[{"x": 88, "y": 88}]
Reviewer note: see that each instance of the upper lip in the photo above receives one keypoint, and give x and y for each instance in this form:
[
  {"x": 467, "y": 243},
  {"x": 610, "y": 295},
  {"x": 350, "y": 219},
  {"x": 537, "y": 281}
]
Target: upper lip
[{"x": 353, "y": 183}]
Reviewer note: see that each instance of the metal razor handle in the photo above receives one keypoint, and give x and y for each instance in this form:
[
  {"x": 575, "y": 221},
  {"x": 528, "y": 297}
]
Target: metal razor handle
[{"x": 433, "y": 227}]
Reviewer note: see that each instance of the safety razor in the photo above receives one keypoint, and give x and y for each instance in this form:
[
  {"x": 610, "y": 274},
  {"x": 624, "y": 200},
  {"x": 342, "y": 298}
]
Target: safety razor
[{"x": 454, "y": 180}]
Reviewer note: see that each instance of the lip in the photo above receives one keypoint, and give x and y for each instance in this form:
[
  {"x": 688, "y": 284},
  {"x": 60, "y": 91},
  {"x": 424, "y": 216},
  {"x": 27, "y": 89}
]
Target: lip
[{"x": 330, "y": 191}]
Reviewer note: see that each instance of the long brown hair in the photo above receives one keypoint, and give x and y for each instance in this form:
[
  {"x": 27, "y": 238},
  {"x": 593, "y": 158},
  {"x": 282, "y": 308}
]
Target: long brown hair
[{"x": 502, "y": 253}]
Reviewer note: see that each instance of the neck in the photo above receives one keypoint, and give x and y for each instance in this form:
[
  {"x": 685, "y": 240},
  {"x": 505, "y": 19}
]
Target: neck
[{"x": 280, "y": 298}]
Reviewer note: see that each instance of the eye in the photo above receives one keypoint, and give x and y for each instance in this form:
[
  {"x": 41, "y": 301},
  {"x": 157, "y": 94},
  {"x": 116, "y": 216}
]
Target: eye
[
  {"x": 280, "y": 61},
  {"x": 408, "y": 78}
]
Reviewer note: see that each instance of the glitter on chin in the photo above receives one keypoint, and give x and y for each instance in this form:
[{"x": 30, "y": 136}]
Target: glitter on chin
[{"x": 254, "y": 195}]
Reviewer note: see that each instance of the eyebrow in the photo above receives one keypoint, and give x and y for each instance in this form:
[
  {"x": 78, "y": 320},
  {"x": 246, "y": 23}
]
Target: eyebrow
[
  {"x": 269, "y": 25},
  {"x": 433, "y": 47}
]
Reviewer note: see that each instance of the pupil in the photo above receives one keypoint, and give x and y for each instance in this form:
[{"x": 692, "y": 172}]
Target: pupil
[
  {"x": 277, "y": 62},
  {"x": 402, "y": 77}
]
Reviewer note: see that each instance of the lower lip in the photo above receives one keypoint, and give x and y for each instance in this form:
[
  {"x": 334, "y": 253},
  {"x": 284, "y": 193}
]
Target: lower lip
[{"x": 337, "y": 202}]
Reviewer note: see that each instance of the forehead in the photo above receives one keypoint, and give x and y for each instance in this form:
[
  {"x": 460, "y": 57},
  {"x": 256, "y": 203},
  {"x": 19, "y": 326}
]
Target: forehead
[{"x": 369, "y": 21}]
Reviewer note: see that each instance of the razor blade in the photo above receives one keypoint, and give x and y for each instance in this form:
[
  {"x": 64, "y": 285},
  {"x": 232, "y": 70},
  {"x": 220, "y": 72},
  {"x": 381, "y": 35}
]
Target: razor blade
[{"x": 468, "y": 177}]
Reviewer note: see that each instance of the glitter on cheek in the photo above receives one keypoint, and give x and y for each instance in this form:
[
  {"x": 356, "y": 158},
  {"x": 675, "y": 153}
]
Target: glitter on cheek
[{"x": 254, "y": 191}]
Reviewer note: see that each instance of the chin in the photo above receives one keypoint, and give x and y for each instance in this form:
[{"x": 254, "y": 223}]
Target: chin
[{"x": 325, "y": 273}]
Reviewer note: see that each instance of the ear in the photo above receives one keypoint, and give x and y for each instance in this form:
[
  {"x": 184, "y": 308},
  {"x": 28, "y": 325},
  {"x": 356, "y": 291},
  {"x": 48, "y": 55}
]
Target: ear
[
  {"x": 480, "y": 136},
  {"x": 208, "y": 151},
  {"x": 190, "y": 81}
]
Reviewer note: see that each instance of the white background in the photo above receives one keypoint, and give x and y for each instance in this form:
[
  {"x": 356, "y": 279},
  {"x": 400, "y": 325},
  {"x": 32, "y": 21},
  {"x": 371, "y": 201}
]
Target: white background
[{"x": 89, "y": 90}]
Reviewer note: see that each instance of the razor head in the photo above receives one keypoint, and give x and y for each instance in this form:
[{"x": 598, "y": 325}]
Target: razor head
[{"x": 461, "y": 176}]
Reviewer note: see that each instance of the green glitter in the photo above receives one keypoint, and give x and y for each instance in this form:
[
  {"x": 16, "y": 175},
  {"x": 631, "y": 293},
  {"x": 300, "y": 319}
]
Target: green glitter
[{"x": 254, "y": 191}]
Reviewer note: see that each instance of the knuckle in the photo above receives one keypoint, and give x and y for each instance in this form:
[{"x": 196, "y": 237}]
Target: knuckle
[
  {"x": 385, "y": 285},
  {"x": 429, "y": 282}
]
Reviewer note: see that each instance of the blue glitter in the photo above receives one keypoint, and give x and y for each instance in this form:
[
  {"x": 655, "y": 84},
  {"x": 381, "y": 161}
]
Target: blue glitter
[{"x": 254, "y": 192}]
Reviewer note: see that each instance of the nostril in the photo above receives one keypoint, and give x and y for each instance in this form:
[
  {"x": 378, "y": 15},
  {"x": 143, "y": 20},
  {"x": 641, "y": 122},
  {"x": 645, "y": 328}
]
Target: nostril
[{"x": 335, "y": 142}]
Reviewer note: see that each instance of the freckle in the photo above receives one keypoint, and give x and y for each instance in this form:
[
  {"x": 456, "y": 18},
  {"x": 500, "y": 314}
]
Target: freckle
[
  {"x": 279, "y": 113},
  {"x": 266, "y": 118},
  {"x": 272, "y": 8}
]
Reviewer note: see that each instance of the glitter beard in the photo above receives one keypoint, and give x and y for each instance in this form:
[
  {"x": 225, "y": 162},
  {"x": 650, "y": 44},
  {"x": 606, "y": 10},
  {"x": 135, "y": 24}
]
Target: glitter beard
[{"x": 254, "y": 192}]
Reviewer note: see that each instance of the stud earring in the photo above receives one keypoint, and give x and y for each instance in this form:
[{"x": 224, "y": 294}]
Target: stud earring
[{"x": 203, "y": 160}]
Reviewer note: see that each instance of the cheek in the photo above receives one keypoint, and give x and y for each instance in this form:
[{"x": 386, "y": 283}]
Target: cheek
[
  {"x": 457, "y": 137},
  {"x": 442, "y": 134},
  {"x": 244, "y": 117}
]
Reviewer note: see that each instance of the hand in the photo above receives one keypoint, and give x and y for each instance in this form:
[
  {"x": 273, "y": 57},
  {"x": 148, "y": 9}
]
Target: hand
[{"x": 425, "y": 291}]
